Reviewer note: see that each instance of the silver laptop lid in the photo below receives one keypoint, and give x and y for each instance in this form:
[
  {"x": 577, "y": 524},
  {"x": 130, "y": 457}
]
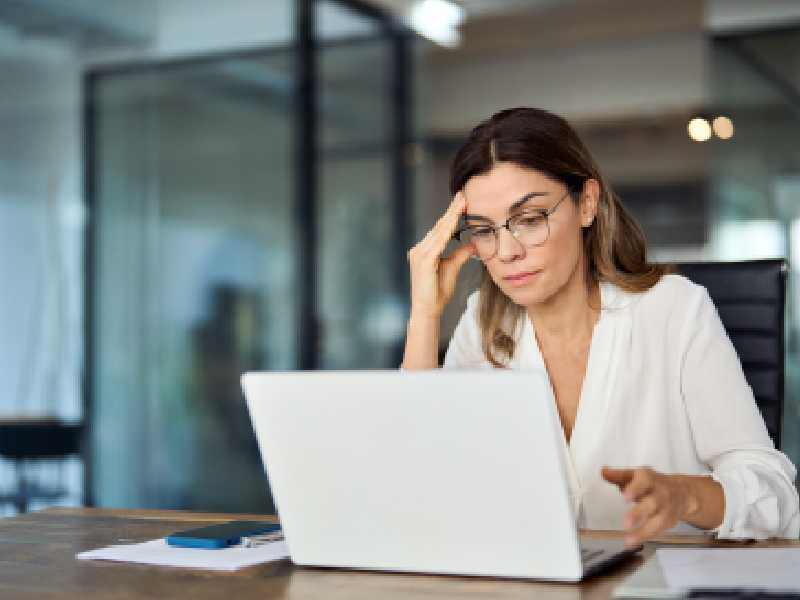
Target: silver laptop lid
[{"x": 435, "y": 471}]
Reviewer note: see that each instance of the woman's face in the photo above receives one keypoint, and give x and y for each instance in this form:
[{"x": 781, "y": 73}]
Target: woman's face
[{"x": 529, "y": 275}]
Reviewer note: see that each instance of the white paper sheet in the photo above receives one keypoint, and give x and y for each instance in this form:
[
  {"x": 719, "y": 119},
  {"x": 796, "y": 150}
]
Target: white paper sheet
[
  {"x": 762, "y": 568},
  {"x": 158, "y": 552}
]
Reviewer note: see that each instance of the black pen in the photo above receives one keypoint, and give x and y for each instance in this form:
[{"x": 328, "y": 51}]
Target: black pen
[{"x": 743, "y": 594}]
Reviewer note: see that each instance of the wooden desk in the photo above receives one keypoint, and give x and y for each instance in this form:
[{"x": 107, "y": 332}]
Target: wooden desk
[{"x": 37, "y": 560}]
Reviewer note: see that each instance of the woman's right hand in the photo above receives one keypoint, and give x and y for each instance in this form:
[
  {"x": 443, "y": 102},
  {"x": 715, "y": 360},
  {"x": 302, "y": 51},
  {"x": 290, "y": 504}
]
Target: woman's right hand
[{"x": 433, "y": 278}]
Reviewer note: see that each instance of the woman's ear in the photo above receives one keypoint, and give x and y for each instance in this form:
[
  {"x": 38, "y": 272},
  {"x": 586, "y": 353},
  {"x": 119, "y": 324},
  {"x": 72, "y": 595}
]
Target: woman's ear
[{"x": 590, "y": 198}]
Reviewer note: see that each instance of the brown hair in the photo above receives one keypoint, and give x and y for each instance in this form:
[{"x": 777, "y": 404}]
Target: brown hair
[{"x": 614, "y": 244}]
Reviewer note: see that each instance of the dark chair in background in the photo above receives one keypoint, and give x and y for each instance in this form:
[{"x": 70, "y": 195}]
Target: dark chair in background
[
  {"x": 750, "y": 297},
  {"x": 28, "y": 441}
]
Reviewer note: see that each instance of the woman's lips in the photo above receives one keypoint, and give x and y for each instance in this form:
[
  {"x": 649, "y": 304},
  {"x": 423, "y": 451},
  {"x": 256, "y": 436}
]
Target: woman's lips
[{"x": 520, "y": 278}]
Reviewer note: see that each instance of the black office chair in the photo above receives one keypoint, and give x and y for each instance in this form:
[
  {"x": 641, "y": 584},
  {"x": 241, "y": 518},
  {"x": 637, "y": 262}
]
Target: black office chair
[
  {"x": 750, "y": 297},
  {"x": 26, "y": 441}
]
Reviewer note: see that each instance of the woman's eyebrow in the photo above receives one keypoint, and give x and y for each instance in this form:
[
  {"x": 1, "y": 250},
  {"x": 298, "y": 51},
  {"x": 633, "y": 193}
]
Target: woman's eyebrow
[
  {"x": 517, "y": 204},
  {"x": 524, "y": 199}
]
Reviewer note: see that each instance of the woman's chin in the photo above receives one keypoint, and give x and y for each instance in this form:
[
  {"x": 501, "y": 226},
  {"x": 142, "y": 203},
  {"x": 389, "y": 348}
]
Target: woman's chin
[{"x": 527, "y": 295}]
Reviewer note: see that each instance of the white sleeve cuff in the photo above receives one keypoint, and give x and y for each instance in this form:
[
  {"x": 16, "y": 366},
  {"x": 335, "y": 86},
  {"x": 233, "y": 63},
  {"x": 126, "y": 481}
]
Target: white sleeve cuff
[{"x": 752, "y": 507}]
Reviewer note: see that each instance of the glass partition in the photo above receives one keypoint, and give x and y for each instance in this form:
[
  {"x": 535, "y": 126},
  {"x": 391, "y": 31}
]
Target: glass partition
[
  {"x": 755, "y": 180},
  {"x": 361, "y": 299},
  {"x": 194, "y": 277},
  {"x": 200, "y": 261}
]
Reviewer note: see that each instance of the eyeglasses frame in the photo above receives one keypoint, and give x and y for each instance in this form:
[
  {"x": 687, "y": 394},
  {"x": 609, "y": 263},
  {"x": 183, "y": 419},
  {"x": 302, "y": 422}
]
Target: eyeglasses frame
[{"x": 544, "y": 212}]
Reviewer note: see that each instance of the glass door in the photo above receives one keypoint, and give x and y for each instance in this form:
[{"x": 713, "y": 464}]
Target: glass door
[
  {"x": 248, "y": 213},
  {"x": 194, "y": 276},
  {"x": 360, "y": 219}
]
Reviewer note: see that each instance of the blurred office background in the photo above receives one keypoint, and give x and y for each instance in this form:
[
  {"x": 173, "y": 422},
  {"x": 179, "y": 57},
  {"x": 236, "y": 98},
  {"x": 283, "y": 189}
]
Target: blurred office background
[{"x": 191, "y": 189}]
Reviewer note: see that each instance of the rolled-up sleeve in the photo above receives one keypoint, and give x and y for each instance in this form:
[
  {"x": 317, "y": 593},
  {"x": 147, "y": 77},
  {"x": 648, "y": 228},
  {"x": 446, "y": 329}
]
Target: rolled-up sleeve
[{"x": 761, "y": 500}]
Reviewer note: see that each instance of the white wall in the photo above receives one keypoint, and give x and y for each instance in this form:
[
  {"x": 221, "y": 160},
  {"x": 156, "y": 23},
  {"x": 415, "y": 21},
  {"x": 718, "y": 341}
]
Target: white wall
[
  {"x": 193, "y": 26},
  {"x": 183, "y": 28}
]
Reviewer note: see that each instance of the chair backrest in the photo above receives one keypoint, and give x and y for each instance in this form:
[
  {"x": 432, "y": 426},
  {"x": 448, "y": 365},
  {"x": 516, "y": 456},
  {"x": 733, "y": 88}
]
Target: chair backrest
[{"x": 750, "y": 297}]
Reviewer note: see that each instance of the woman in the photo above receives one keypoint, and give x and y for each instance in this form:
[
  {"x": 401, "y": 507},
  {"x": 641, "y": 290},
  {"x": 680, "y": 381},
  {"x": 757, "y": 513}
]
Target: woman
[{"x": 660, "y": 427}]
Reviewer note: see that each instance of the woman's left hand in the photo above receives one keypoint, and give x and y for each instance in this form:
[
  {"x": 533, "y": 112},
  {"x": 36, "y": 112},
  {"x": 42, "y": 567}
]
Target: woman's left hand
[{"x": 660, "y": 501}]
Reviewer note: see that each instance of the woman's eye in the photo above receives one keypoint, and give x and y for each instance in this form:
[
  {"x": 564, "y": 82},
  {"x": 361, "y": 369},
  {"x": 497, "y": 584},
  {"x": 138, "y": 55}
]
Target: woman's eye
[
  {"x": 481, "y": 231},
  {"x": 530, "y": 220}
]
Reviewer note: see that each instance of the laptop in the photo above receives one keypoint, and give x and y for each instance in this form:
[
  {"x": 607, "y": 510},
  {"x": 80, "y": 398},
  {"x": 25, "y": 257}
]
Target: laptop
[{"x": 452, "y": 472}]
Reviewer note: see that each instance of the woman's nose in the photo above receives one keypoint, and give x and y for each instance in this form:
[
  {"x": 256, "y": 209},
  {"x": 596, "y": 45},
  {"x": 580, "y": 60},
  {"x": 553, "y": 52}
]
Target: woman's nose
[{"x": 508, "y": 247}]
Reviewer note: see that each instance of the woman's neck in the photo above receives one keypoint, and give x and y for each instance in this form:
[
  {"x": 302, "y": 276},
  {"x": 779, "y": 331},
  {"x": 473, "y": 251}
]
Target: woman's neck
[{"x": 571, "y": 313}]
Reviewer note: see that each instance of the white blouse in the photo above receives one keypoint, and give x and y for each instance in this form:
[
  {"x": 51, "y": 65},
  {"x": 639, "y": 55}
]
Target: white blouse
[{"x": 663, "y": 388}]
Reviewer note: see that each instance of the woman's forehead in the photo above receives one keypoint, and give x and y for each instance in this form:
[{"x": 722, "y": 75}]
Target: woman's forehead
[{"x": 504, "y": 185}]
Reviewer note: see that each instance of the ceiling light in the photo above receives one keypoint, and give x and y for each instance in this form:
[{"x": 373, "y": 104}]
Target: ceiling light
[
  {"x": 699, "y": 129},
  {"x": 723, "y": 127},
  {"x": 437, "y": 20}
]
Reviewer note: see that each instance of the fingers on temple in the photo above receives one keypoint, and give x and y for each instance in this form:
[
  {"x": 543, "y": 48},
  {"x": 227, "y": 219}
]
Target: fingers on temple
[
  {"x": 440, "y": 234},
  {"x": 449, "y": 220},
  {"x": 460, "y": 255}
]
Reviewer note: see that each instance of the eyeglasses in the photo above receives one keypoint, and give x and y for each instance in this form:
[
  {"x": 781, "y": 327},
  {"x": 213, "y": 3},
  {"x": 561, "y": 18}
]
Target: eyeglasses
[{"x": 530, "y": 228}]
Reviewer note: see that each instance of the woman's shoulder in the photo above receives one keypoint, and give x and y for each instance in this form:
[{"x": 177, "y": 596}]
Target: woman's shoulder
[
  {"x": 674, "y": 297},
  {"x": 673, "y": 288}
]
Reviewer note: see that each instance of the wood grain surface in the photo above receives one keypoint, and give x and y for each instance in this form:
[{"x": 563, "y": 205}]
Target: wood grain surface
[{"x": 37, "y": 560}]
